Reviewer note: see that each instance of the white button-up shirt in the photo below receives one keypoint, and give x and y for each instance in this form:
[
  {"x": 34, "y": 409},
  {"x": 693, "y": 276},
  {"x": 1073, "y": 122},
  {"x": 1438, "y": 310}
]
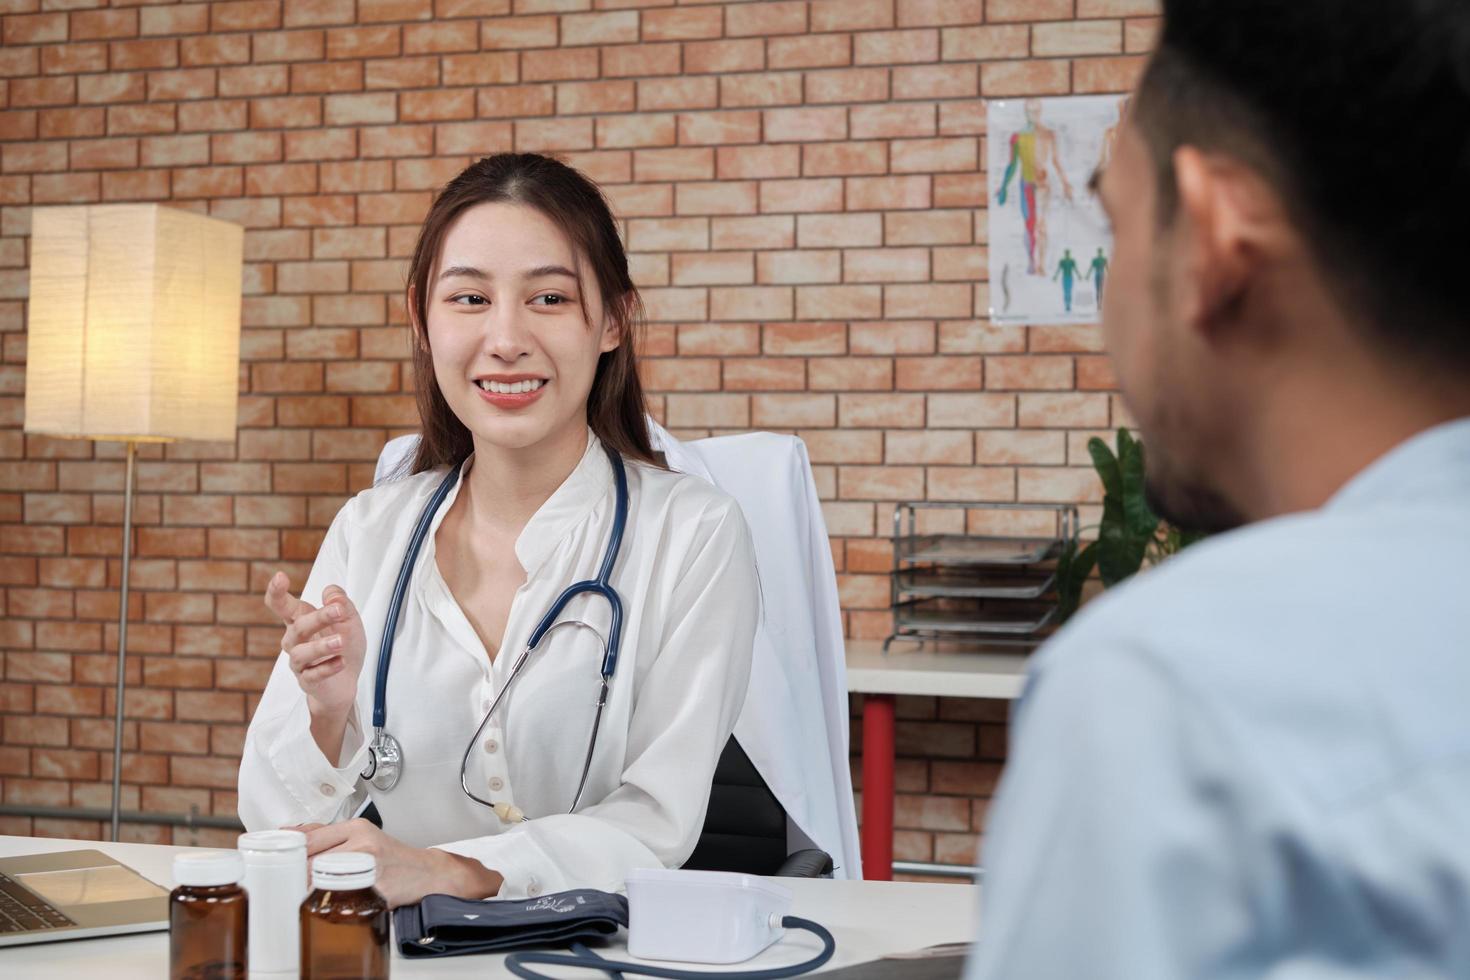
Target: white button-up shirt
[{"x": 687, "y": 578}]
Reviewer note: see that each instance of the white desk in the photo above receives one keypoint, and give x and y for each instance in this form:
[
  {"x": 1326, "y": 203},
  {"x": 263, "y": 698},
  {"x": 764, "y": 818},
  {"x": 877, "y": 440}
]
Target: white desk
[
  {"x": 868, "y": 919},
  {"x": 880, "y": 677}
]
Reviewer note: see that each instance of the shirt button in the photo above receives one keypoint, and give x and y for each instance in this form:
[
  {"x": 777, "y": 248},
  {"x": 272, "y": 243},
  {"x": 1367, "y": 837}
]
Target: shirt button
[
  {"x": 491, "y": 745},
  {"x": 328, "y": 789},
  {"x": 534, "y": 888},
  {"x": 497, "y": 784}
]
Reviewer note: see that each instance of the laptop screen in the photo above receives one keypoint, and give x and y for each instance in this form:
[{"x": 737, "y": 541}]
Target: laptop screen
[{"x": 88, "y": 886}]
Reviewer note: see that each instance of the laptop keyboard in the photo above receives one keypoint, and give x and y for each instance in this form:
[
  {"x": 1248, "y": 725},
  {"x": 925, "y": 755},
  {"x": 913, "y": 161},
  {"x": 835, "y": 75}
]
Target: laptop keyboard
[{"x": 21, "y": 911}]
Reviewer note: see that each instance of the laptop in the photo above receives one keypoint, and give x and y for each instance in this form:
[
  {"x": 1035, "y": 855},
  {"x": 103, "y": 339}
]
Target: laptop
[{"x": 73, "y": 895}]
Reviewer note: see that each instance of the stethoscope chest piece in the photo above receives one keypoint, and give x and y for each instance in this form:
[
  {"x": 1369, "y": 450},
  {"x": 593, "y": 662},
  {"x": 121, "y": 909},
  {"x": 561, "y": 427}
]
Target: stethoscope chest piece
[{"x": 385, "y": 761}]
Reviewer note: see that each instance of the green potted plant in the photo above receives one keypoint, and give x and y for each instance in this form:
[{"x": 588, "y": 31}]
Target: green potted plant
[{"x": 1129, "y": 533}]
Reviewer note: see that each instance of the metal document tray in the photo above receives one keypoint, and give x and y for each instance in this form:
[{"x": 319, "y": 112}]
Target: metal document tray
[
  {"x": 962, "y": 549},
  {"x": 969, "y": 583},
  {"x": 1007, "y": 620}
]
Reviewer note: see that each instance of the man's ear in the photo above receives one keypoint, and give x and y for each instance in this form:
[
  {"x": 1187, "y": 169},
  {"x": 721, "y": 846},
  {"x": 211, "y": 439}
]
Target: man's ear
[{"x": 1222, "y": 234}]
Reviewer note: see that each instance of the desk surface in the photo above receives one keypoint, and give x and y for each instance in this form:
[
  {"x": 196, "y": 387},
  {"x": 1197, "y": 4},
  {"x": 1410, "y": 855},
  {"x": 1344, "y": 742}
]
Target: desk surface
[
  {"x": 903, "y": 671},
  {"x": 867, "y": 918}
]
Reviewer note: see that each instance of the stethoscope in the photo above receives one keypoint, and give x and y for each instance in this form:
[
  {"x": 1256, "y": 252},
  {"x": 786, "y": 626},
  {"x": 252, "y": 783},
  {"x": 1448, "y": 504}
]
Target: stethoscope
[{"x": 385, "y": 755}]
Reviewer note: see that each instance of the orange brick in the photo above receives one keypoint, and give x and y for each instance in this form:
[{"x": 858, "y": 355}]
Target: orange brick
[
  {"x": 766, "y": 231},
  {"x": 1029, "y": 373},
  {"x": 85, "y": 25},
  {"x": 895, "y": 47},
  {"x": 611, "y": 27},
  {"x": 847, "y": 85},
  {"x": 880, "y": 483},
  {"x": 436, "y": 106},
  {"x": 982, "y": 484},
  {"x": 694, "y": 163},
  {"x": 886, "y": 265},
  {"x": 1140, "y": 34},
  {"x": 845, "y": 302},
  {"x": 750, "y": 19},
  {"x": 713, "y": 268},
  {"x": 1118, "y": 74},
  {"x": 799, "y": 266},
  {"x": 682, "y": 24},
  {"x": 935, "y": 13},
  {"x": 212, "y": 116},
  {"x": 1048, "y": 410},
  {"x": 894, "y": 120},
  {"x": 708, "y": 410},
  {"x": 71, "y": 123},
  {"x": 681, "y": 374},
  {"x": 818, "y": 231},
  {"x": 805, "y": 125},
  {"x": 809, "y": 51},
  {"x": 387, "y": 73},
  {"x": 628, "y": 60},
  {"x": 888, "y": 193},
  {"x": 29, "y": 92},
  {"x": 850, "y": 374},
  {"x": 506, "y": 33},
  {"x": 355, "y": 109},
  {"x": 724, "y": 339},
  {"x": 442, "y": 37},
  {"x": 793, "y": 411},
  {"x": 880, "y": 411},
  {"x": 742, "y": 54},
  {"x": 515, "y": 100},
  {"x": 936, "y": 81},
  {"x": 1020, "y": 446},
  {"x": 892, "y": 337},
  {"x": 751, "y": 303},
  {"x": 807, "y": 194},
  {"x": 851, "y": 15},
  {"x": 156, "y": 53},
  {"x": 1018, "y": 78},
  {"x": 137, "y": 185},
  {"x": 187, "y": 18},
  {"x": 1029, "y": 10},
  {"x": 697, "y": 92},
  {"x": 542, "y": 135},
  {"x": 66, "y": 59},
  {"x": 946, "y": 373},
  {"x": 364, "y": 42},
  {"x": 396, "y": 141},
  {"x": 765, "y": 374}
]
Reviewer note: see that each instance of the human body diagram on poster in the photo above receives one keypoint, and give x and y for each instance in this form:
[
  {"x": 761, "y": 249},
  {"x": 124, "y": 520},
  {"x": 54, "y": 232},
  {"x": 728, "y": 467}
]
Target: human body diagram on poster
[{"x": 1049, "y": 239}]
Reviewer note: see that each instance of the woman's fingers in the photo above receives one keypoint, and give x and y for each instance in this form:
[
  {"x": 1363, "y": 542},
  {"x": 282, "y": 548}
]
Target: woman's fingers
[
  {"x": 279, "y": 600},
  {"x": 307, "y": 625},
  {"x": 315, "y": 652}
]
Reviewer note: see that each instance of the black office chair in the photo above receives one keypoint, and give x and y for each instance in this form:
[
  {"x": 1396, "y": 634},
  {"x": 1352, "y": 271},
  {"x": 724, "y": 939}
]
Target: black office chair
[{"x": 745, "y": 826}]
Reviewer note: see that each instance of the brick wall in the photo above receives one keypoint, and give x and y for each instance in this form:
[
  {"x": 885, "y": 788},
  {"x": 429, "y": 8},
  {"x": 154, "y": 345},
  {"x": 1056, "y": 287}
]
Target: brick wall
[{"x": 804, "y": 208}]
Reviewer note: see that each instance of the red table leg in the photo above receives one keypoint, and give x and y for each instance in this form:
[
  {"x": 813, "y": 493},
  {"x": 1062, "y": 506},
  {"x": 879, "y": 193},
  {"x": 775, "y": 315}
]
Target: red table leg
[{"x": 877, "y": 838}]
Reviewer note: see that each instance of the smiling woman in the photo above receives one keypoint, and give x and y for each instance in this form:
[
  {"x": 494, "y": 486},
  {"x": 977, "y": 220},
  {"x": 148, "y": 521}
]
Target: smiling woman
[{"x": 534, "y": 458}]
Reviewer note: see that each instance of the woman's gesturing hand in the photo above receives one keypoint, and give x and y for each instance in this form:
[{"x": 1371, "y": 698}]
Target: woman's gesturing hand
[{"x": 326, "y": 646}]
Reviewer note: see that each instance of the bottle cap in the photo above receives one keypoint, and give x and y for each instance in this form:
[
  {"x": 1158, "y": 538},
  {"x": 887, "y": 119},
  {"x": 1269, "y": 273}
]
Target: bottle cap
[
  {"x": 272, "y": 840},
  {"x": 208, "y": 868},
  {"x": 344, "y": 871}
]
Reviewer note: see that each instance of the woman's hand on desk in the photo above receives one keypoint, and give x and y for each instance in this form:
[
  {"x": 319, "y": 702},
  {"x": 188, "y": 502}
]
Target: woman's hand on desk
[{"x": 405, "y": 874}]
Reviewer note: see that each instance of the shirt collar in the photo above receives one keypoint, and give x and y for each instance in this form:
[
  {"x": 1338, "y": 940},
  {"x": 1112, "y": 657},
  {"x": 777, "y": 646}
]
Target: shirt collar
[
  {"x": 568, "y": 506},
  {"x": 571, "y": 503},
  {"x": 1429, "y": 464}
]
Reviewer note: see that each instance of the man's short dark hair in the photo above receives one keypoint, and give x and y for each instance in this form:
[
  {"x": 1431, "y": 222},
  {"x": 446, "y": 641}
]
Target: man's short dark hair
[{"x": 1358, "y": 113}]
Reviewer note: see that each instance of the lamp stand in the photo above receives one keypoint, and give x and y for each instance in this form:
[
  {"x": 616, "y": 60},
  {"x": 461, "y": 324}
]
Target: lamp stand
[{"x": 122, "y": 644}]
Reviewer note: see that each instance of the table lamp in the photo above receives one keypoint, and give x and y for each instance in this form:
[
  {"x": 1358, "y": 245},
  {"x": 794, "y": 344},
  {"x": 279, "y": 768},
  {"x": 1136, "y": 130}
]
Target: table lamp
[{"x": 133, "y": 336}]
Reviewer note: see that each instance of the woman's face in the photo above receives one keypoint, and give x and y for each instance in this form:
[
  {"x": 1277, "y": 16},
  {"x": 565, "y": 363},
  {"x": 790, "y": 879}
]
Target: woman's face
[{"x": 515, "y": 343}]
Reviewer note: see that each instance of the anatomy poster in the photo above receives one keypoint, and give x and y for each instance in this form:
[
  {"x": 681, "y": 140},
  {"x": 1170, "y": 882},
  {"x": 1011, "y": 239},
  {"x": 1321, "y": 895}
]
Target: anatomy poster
[{"x": 1049, "y": 239}]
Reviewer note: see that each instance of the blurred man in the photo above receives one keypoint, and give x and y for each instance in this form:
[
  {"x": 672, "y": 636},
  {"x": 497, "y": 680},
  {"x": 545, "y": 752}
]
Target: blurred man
[{"x": 1254, "y": 761}]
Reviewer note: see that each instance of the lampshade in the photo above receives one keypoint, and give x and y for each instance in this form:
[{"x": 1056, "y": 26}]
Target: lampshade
[{"x": 134, "y": 326}]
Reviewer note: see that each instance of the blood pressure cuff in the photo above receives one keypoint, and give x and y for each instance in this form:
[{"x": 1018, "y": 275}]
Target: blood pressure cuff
[{"x": 442, "y": 925}]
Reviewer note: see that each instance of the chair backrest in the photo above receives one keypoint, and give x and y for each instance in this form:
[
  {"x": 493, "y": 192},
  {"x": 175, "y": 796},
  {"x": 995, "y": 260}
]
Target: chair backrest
[{"x": 745, "y": 825}]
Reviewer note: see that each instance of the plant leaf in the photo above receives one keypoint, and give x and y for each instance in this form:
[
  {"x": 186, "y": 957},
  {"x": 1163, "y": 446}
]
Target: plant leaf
[
  {"x": 1140, "y": 518},
  {"x": 1072, "y": 571},
  {"x": 1106, "y": 465}
]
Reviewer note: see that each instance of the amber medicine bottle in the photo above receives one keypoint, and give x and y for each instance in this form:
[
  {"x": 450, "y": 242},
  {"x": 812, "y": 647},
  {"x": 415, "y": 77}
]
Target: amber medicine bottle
[
  {"x": 207, "y": 917},
  {"x": 344, "y": 921}
]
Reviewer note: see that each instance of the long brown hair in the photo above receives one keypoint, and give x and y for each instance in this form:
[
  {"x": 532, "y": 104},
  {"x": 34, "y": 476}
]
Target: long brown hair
[{"x": 616, "y": 410}]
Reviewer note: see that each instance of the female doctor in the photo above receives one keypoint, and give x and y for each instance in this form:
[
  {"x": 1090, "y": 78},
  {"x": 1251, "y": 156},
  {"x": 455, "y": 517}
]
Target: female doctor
[{"x": 523, "y": 318}]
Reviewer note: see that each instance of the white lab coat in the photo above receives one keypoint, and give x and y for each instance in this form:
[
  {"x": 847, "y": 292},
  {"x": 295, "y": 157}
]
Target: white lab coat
[
  {"x": 794, "y": 725},
  {"x": 686, "y": 575}
]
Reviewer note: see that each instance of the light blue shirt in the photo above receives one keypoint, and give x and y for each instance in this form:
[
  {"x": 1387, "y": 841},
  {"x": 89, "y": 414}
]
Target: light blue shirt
[{"x": 1254, "y": 760}]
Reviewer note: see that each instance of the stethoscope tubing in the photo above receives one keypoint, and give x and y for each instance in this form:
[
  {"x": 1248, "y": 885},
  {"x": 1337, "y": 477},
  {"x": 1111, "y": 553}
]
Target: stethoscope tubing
[{"x": 385, "y": 748}]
